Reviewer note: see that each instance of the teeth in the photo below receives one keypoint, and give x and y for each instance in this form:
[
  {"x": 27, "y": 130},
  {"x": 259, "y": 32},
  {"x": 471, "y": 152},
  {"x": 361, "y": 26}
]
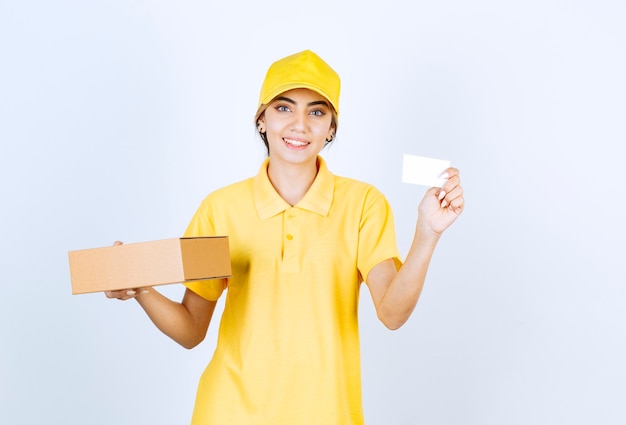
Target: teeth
[{"x": 295, "y": 142}]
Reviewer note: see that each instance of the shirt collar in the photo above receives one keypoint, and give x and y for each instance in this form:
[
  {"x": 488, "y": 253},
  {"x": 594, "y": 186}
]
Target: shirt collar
[{"x": 317, "y": 199}]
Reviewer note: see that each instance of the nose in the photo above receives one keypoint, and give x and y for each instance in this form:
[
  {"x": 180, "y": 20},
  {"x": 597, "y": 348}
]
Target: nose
[{"x": 299, "y": 121}]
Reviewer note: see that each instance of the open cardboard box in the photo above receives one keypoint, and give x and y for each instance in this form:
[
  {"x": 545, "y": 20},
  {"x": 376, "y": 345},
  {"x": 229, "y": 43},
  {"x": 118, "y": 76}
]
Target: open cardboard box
[{"x": 149, "y": 264}]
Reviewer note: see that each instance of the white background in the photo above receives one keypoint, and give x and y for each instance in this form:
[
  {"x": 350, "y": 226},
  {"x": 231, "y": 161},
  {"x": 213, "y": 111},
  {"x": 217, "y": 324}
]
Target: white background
[{"x": 117, "y": 117}]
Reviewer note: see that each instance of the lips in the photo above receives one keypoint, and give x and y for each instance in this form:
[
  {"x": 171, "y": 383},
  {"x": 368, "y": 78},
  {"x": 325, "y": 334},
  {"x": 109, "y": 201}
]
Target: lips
[{"x": 296, "y": 143}]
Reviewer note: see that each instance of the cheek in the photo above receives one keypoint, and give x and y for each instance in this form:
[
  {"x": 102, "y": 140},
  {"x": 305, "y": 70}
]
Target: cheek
[
  {"x": 325, "y": 129},
  {"x": 273, "y": 130},
  {"x": 273, "y": 124}
]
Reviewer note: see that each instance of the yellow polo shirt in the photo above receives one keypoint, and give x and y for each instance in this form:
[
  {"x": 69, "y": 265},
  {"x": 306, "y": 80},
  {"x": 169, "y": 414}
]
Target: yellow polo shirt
[{"x": 288, "y": 343}]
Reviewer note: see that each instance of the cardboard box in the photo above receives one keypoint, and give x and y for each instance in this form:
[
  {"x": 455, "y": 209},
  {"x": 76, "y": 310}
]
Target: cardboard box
[{"x": 149, "y": 264}]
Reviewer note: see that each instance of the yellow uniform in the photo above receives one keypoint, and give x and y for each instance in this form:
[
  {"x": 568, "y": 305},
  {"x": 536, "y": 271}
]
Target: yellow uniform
[{"x": 288, "y": 344}]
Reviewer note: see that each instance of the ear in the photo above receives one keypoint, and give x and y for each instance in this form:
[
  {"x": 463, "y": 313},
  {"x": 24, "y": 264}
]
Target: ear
[
  {"x": 260, "y": 124},
  {"x": 331, "y": 134}
]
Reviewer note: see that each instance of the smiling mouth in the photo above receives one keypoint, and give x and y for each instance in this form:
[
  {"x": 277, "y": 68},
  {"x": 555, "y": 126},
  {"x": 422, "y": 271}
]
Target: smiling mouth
[{"x": 295, "y": 143}]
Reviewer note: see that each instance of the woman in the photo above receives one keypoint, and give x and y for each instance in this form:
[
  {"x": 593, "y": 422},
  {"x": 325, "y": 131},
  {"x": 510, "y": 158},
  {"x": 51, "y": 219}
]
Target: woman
[{"x": 302, "y": 241}]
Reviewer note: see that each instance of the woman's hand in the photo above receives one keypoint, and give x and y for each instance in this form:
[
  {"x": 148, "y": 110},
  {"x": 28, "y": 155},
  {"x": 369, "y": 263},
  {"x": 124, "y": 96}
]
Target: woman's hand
[
  {"x": 125, "y": 294},
  {"x": 441, "y": 207}
]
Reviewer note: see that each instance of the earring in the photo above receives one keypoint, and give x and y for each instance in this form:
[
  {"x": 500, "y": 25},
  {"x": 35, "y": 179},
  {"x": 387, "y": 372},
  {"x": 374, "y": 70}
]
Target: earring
[{"x": 259, "y": 127}]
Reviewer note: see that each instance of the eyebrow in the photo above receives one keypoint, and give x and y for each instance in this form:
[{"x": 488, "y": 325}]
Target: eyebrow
[{"x": 293, "y": 102}]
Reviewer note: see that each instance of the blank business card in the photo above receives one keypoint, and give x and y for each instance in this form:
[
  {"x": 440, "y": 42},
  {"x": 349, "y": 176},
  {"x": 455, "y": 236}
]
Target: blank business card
[{"x": 424, "y": 171}]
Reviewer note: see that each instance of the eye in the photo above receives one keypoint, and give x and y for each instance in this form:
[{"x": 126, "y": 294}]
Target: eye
[
  {"x": 282, "y": 108},
  {"x": 318, "y": 112}
]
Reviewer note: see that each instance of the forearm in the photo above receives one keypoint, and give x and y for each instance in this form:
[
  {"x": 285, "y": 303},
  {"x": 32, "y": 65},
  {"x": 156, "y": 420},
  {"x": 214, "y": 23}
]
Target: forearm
[
  {"x": 175, "y": 319},
  {"x": 404, "y": 289}
]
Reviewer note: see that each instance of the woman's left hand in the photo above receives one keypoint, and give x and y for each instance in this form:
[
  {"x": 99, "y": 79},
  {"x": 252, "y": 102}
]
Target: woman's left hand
[{"x": 441, "y": 207}]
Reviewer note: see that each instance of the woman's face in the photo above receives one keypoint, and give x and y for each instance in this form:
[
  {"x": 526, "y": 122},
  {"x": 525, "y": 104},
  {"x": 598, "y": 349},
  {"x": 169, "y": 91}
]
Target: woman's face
[{"x": 297, "y": 124}]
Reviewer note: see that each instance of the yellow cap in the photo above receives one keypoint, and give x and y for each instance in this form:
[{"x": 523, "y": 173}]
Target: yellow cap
[{"x": 301, "y": 70}]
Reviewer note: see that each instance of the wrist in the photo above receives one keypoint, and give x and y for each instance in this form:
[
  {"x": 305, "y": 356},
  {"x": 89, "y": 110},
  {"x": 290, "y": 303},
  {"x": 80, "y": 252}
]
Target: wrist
[{"x": 426, "y": 233}]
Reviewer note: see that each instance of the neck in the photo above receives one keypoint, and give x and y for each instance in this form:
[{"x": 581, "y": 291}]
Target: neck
[{"x": 292, "y": 181}]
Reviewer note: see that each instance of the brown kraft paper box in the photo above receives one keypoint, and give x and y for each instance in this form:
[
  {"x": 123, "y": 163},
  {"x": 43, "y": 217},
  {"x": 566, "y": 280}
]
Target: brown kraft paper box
[{"x": 152, "y": 263}]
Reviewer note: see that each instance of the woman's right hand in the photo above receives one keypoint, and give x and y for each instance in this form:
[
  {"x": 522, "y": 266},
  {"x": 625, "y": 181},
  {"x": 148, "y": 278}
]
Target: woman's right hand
[{"x": 126, "y": 294}]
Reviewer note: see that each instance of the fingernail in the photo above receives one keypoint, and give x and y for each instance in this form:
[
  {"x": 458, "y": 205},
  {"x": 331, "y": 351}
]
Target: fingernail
[
  {"x": 444, "y": 175},
  {"x": 444, "y": 204},
  {"x": 143, "y": 291},
  {"x": 131, "y": 292},
  {"x": 442, "y": 195}
]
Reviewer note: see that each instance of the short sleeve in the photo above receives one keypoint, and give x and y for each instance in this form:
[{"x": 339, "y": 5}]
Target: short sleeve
[
  {"x": 201, "y": 224},
  {"x": 377, "y": 237}
]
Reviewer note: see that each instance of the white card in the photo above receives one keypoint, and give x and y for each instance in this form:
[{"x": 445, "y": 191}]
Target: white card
[{"x": 424, "y": 171}]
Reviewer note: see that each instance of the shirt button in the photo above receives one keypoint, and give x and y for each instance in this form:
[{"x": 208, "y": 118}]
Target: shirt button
[
  {"x": 291, "y": 216},
  {"x": 289, "y": 237}
]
